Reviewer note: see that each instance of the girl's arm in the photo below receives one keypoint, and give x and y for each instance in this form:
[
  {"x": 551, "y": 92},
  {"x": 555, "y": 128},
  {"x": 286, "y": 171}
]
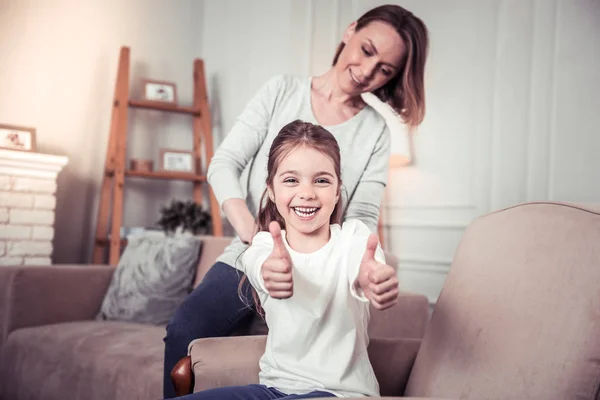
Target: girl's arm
[
  {"x": 366, "y": 201},
  {"x": 253, "y": 258},
  {"x": 235, "y": 152}
]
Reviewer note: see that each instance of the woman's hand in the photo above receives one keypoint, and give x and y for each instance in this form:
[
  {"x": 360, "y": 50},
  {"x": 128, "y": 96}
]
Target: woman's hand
[
  {"x": 240, "y": 218},
  {"x": 277, "y": 268},
  {"x": 378, "y": 281}
]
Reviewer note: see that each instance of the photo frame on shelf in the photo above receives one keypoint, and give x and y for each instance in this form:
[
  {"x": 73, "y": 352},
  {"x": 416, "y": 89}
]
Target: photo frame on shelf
[
  {"x": 177, "y": 161},
  {"x": 161, "y": 91},
  {"x": 14, "y": 137}
]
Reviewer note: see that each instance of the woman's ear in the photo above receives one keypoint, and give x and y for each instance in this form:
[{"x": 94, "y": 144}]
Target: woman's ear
[{"x": 349, "y": 32}]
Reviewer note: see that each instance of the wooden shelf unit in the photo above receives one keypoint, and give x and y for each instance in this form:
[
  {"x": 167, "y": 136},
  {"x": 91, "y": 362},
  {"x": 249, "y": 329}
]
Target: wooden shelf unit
[
  {"x": 110, "y": 209},
  {"x": 156, "y": 105},
  {"x": 180, "y": 176}
]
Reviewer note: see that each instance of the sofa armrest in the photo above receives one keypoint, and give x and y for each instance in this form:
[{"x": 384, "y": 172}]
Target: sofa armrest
[
  {"x": 32, "y": 296},
  {"x": 406, "y": 319},
  {"x": 232, "y": 361},
  {"x": 226, "y": 361},
  {"x": 392, "y": 361}
]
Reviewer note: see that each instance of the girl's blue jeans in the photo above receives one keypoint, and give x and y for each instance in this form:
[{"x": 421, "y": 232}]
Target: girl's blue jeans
[
  {"x": 213, "y": 309},
  {"x": 249, "y": 392}
]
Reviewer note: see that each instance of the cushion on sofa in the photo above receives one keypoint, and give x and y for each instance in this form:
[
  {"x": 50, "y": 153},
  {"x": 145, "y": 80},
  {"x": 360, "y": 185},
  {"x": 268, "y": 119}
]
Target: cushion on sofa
[
  {"x": 154, "y": 276},
  {"x": 89, "y": 359}
]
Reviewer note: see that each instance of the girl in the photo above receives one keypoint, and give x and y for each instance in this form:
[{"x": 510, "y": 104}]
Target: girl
[
  {"x": 314, "y": 279},
  {"x": 383, "y": 53}
]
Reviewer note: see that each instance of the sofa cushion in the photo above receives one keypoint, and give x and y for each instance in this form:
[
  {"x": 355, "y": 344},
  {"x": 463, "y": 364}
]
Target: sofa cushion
[
  {"x": 153, "y": 278},
  {"x": 89, "y": 360}
]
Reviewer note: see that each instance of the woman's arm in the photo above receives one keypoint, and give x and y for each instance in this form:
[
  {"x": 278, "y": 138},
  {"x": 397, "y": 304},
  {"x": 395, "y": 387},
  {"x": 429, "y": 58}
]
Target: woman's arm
[
  {"x": 239, "y": 217},
  {"x": 366, "y": 201},
  {"x": 235, "y": 152}
]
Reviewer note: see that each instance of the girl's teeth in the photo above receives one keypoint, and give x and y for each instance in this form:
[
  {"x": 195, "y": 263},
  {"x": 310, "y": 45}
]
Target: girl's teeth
[{"x": 305, "y": 212}]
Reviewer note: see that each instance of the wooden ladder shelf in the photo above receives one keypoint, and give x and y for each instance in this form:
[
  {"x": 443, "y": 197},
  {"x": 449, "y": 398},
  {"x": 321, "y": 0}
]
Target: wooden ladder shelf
[{"x": 116, "y": 172}]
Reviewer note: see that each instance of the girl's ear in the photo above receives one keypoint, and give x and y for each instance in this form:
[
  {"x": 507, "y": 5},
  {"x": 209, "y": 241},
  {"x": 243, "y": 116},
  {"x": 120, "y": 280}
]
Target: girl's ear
[
  {"x": 350, "y": 30},
  {"x": 271, "y": 194}
]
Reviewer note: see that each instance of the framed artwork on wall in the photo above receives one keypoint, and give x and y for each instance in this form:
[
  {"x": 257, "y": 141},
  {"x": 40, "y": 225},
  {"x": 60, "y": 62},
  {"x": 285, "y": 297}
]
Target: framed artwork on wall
[
  {"x": 177, "y": 160},
  {"x": 17, "y": 138},
  {"x": 165, "y": 92}
]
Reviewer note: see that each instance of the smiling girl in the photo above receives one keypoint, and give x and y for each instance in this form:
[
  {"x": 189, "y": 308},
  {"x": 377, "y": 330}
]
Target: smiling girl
[{"x": 315, "y": 278}]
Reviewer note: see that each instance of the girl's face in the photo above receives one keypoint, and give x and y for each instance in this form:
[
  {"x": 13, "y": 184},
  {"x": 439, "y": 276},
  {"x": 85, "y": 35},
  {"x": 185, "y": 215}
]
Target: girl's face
[
  {"x": 305, "y": 190},
  {"x": 371, "y": 57}
]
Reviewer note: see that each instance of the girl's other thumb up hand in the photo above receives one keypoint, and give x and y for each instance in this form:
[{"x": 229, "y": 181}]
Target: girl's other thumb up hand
[{"x": 378, "y": 281}]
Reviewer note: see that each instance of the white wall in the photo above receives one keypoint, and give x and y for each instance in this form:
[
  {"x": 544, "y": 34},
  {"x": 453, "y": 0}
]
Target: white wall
[
  {"x": 58, "y": 71},
  {"x": 512, "y": 95}
]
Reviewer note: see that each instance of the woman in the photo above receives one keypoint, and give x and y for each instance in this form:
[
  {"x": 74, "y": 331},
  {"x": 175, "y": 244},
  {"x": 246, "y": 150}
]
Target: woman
[{"x": 383, "y": 52}]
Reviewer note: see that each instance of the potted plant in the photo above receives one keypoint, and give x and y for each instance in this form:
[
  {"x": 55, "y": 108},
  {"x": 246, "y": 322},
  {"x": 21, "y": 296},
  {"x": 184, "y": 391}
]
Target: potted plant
[{"x": 185, "y": 216}]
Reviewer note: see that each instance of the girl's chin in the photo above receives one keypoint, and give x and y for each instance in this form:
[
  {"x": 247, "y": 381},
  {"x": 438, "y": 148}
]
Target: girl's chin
[
  {"x": 308, "y": 227},
  {"x": 317, "y": 230}
]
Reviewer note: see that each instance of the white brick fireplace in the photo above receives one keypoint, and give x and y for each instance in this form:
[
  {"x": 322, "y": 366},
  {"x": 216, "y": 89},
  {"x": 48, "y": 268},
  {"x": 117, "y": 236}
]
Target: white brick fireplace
[{"x": 27, "y": 204}]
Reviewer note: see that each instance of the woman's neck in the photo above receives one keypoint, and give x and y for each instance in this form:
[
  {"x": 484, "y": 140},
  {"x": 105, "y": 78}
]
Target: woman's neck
[{"x": 326, "y": 86}]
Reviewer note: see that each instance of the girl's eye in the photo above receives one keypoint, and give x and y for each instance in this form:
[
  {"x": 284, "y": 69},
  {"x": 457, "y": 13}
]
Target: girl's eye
[
  {"x": 322, "y": 181},
  {"x": 386, "y": 72},
  {"x": 290, "y": 180},
  {"x": 367, "y": 52}
]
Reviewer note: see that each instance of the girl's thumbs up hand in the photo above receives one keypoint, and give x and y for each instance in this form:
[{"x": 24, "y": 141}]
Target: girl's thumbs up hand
[
  {"x": 277, "y": 268},
  {"x": 378, "y": 281}
]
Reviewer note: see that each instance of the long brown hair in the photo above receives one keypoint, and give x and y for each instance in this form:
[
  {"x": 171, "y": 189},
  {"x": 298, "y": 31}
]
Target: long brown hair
[
  {"x": 293, "y": 135},
  {"x": 405, "y": 92}
]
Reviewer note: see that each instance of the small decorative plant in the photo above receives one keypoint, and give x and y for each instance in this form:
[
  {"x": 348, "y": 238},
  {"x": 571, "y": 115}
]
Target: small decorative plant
[{"x": 185, "y": 216}]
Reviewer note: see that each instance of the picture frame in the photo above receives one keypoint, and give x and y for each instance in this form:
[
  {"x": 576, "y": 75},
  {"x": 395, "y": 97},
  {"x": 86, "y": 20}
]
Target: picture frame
[
  {"x": 20, "y": 138},
  {"x": 159, "y": 91},
  {"x": 177, "y": 161}
]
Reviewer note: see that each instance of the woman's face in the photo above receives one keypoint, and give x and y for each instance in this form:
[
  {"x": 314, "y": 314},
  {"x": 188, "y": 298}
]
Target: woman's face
[{"x": 372, "y": 56}]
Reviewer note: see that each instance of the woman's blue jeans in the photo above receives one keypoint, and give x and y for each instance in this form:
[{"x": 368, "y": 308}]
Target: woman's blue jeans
[{"x": 213, "y": 309}]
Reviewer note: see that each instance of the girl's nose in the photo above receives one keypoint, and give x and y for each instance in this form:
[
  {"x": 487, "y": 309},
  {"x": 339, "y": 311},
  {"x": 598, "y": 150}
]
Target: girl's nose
[
  {"x": 307, "y": 196},
  {"x": 307, "y": 193}
]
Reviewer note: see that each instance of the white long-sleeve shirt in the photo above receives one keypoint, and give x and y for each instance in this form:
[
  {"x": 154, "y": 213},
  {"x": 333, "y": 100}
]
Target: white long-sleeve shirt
[
  {"x": 239, "y": 166},
  {"x": 317, "y": 338}
]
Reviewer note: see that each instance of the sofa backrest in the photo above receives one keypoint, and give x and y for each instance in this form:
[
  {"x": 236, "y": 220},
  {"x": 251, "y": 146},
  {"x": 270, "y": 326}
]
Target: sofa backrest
[
  {"x": 519, "y": 314},
  {"x": 212, "y": 248}
]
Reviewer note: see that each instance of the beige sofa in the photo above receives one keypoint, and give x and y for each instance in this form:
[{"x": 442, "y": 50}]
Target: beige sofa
[
  {"x": 51, "y": 348},
  {"x": 518, "y": 318}
]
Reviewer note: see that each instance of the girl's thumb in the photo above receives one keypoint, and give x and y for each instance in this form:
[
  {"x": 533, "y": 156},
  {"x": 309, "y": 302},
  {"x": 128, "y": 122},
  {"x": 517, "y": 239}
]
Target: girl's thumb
[
  {"x": 371, "y": 247},
  {"x": 278, "y": 245}
]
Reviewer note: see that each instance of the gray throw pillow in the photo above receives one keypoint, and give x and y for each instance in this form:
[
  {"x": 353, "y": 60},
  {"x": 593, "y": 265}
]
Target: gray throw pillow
[{"x": 154, "y": 276}]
